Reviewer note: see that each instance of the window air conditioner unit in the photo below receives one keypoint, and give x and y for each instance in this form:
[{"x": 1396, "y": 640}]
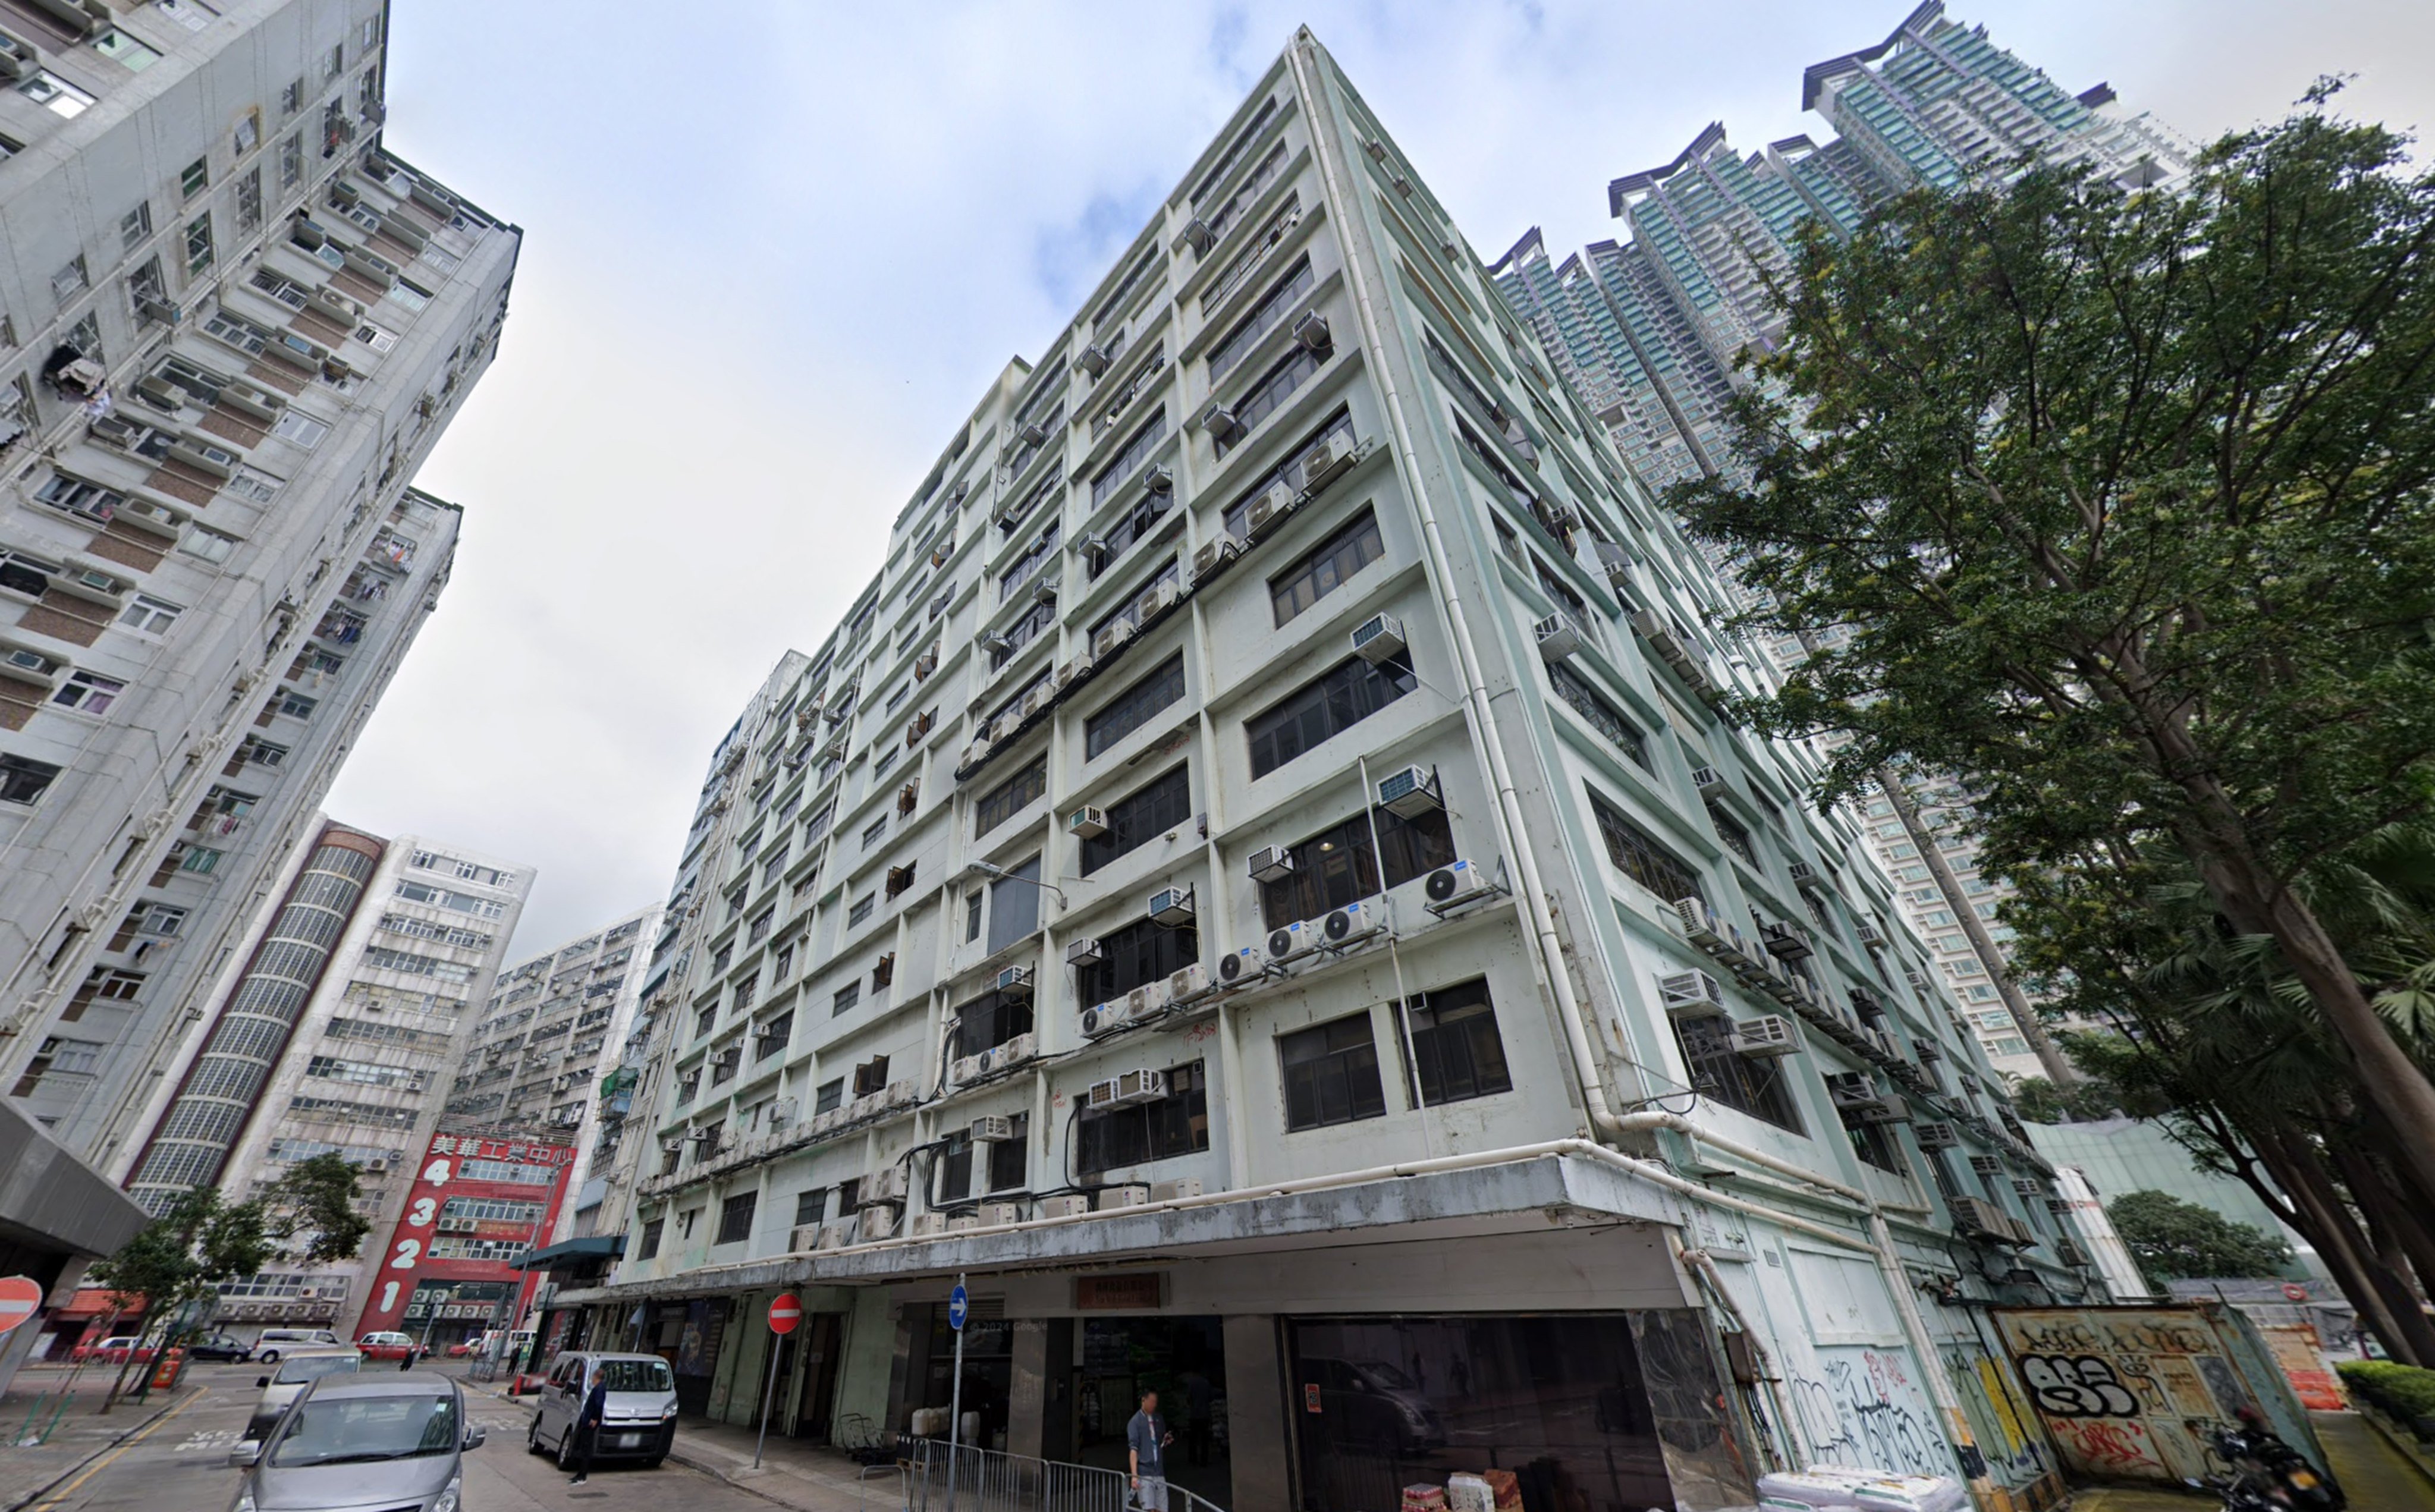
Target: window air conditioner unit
[
  {"x": 1454, "y": 883},
  {"x": 1348, "y": 926},
  {"x": 1213, "y": 556},
  {"x": 1112, "y": 635},
  {"x": 1240, "y": 968},
  {"x": 1188, "y": 984},
  {"x": 1653, "y": 627},
  {"x": 1708, "y": 781},
  {"x": 1785, "y": 942},
  {"x": 1410, "y": 793},
  {"x": 1014, "y": 982},
  {"x": 1311, "y": 332},
  {"x": 1324, "y": 462},
  {"x": 2059, "y": 1207},
  {"x": 1103, "y": 1019},
  {"x": 1091, "y": 360},
  {"x": 1124, "y": 1194},
  {"x": 1100, "y": 1094},
  {"x": 1044, "y": 590},
  {"x": 1171, "y": 906},
  {"x": 1766, "y": 1036},
  {"x": 939, "y": 553},
  {"x": 1033, "y": 433},
  {"x": 1292, "y": 942},
  {"x": 2029, "y": 1186},
  {"x": 1556, "y": 636},
  {"x": 1198, "y": 236},
  {"x": 1017, "y": 1050},
  {"x": 1690, "y": 995},
  {"x": 1987, "y": 1165},
  {"x": 997, "y": 645},
  {"x": 1093, "y": 547},
  {"x": 1377, "y": 638},
  {"x": 1065, "y": 1206},
  {"x": 928, "y": 1225},
  {"x": 1889, "y": 1110},
  {"x": 1143, "y": 1085},
  {"x": 886, "y": 1184},
  {"x": 2069, "y": 1253},
  {"x": 993, "y": 1129},
  {"x": 1936, "y": 1136},
  {"x": 1082, "y": 953},
  {"x": 1854, "y": 1089},
  {"x": 1271, "y": 863},
  {"x": 1866, "y": 932},
  {"x": 875, "y": 1223},
  {"x": 1927, "y": 1050},
  {"x": 1219, "y": 422}
]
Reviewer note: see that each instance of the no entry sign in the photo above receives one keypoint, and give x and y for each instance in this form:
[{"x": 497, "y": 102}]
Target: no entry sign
[
  {"x": 19, "y": 1296},
  {"x": 786, "y": 1311}
]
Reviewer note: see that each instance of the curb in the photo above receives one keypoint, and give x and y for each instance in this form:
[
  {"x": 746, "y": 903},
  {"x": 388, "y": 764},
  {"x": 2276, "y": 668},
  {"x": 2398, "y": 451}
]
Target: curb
[
  {"x": 77, "y": 1469},
  {"x": 714, "y": 1468}
]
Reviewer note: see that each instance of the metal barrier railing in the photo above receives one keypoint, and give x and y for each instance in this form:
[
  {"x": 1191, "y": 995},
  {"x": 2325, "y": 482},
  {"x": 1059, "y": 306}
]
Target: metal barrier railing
[{"x": 940, "y": 1477}]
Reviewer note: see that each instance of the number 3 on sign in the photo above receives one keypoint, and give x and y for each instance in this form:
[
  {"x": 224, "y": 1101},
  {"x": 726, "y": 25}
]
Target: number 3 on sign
[
  {"x": 422, "y": 1213},
  {"x": 407, "y": 1251}
]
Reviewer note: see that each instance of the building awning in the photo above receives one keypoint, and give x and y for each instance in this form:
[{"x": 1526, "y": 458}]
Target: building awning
[
  {"x": 1543, "y": 1191},
  {"x": 53, "y": 1203},
  {"x": 573, "y": 1254}
]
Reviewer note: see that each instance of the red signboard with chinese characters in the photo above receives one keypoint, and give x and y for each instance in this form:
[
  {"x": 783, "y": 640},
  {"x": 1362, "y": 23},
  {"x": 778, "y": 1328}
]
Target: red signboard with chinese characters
[{"x": 478, "y": 1203}]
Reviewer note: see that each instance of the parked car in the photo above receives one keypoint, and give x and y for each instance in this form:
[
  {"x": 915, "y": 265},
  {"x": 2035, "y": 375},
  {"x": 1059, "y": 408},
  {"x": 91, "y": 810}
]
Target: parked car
[
  {"x": 218, "y": 1346},
  {"x": 112, "y": 1351},
  {"x": 301, "y": 1367},
  {"x": 276, "y": 1342},
  {"x": 387, "y": 1346},
  {"x": 638, "y": 1422},
  {"x": 354, "y": 1441}
]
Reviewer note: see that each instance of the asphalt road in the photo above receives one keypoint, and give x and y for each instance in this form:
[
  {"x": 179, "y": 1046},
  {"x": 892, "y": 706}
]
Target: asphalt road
[{"x": 180, "y": 1465}]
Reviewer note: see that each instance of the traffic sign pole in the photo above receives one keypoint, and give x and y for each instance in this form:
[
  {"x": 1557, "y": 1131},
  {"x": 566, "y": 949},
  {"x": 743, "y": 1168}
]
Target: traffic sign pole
[
  {"x": 959, "y": 1307},
  {"x": 786, "y": 1311}
]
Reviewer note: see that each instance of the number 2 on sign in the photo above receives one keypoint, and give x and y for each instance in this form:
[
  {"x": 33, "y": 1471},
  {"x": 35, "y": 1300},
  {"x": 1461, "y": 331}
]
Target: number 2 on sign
[{"x": 407, "y": 1251}]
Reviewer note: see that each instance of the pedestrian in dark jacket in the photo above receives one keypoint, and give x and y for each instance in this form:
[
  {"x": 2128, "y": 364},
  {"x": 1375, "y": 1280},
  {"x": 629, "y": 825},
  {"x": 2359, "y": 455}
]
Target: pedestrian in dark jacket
[{"x": 587, "y": 1426}]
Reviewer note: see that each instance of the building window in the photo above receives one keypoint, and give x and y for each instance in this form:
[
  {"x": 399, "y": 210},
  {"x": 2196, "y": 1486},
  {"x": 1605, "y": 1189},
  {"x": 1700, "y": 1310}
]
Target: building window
[
  {"x": 1326, "y": 568},
  {"x": 758, "y": 929},
  {"x": 736, "y": 1218},
  {"x": 1454, "y": 1045},
  {"x": 1331, "y": 1074},
  {"x": 1754, "y": 1085},
  {"x": 1132, "y": 708},
  {"x": 1131, "y": 526},
  {"x": 1176, "y": 1124},
  {"x": 88, "y": 693},
  {"x": 1270, "y": 394},
  {"x": 1337, "y": 430},
  {"x": 861, "y": 910},
  {"x": 1232, "y": 348},
  {"x": 23, "y": 780},
  {"x": 811, "y": 1207},
  {"x": 198, "y": 244},
  {"x": 972, "y": 916},
  {"x": 1330, "y": 704},
  {"x": 874, "y": 832},
  {"x": 1641, "y": 858},
  {"x": 55, "y": 94},
  {"x": 1129, "y": 460},
  {"x": 1006, "y": 1157},
  {"x": 1015, "y": 905},
  {"x": 845, "y": 997},
  {"x": 291, "y": 161},
  {"x": 1599, "y": 715},
  {"x": 648, "y": 1248},
  {"x": 249, "y": 202},
  {"x": 1736, "y": 839},
  {"x": 1139, "y": 954},
  {"x": 830, "y": 1097},
  {"x": 990, "y": 1020},
  {"x": 1338, "y": 865},
  {"x": 1005, "y": 801},
  {"x": 1134, "y": 819},
  {"x": 134, "y": 227},
  {"x": 772, "y": 1036},
  {"x": 705, "y": 1020}
]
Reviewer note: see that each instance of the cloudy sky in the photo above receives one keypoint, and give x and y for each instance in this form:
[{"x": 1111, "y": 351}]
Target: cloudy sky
[{"x": 775, "y": 252}]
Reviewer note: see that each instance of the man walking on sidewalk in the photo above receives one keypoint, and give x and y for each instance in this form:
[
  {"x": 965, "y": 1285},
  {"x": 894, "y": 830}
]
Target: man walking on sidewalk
[
  {"x": 1145, "y": 1441},
  {"x": 586, "y": 1427}
]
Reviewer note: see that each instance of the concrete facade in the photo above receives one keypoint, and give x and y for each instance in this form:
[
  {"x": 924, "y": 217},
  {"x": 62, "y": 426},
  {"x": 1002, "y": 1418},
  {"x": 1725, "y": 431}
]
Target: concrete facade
[
  {"x": 1290, "y": 644},
  {"x": 236, "y": 324}
]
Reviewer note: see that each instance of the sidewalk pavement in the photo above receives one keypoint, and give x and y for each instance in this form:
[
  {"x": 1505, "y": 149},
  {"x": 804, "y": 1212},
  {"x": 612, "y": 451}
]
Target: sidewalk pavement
[
  {"x": 75, "y": 1436},
  {"x": 790, "y": 1474},
  {"x": 2374, "y": 1475}
]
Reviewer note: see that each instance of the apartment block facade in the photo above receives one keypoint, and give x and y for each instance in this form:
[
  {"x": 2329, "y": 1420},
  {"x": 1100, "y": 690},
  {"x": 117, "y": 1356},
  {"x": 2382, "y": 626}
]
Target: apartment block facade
[
  {"x": 1649, "y": 330},
  {"x": 337, "y": 1026},
  {"x": 234, "y": 324},
  {"x": 549, "y": 1046},
  {"x": 1260, "y": 884}
]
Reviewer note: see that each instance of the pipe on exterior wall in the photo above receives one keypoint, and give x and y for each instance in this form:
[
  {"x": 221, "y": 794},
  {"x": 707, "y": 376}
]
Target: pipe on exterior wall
[{"x": 1704, "y": 1266}]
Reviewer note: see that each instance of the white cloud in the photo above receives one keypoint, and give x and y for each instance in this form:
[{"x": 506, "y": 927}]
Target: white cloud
[{"x": 776, "y": 252}]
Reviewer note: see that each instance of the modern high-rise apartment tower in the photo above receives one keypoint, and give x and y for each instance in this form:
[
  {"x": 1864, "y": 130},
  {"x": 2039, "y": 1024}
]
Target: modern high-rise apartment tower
[
  {"x": 1647, "y": 330},
  {"x": 1261, "y": 886},
  {"x": 234, "y": 324}
]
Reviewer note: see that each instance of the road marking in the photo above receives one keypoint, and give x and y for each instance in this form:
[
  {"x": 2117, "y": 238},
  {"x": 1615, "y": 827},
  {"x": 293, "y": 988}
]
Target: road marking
[
  {"x": 206, "y": 1439},
  {"x": 59, "y": 1497}
]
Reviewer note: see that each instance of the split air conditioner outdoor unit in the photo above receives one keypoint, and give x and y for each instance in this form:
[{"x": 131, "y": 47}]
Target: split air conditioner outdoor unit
[
  {"x": 1348, "y": 926},
  {"x": 1213, "y": 556},
  {"x": 1111, "y": 636},
  {"x": 1273, "y": 504},
  {"x": 1188, "y": 984},
  {"x": 875, "y": 1223},
  {"x": 1065, "y": 1206},
  {"x": 1292, "y": 942},
  {"x": 1175, "y": 1191},
  {"x": 1454, "y": 883},
  {"x": 994, "y": 1215},
  {"x": 1128, "y": 1194},
  {"x": 928, "y": 1225},
  {"x": 1017, "y": 1050},
  {"x": 1240, "y": 968},
  {"x": 886, "y": 1184},
  {"x": 964, "y": 1070},
  {"x": 1324, "y": 461},
  {"x": 1103, "y": 1019}
]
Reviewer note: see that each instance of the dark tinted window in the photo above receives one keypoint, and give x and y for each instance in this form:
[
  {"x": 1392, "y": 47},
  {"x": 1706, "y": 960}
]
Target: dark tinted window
[
  {"x": 1454, "y": 1045},
  {"x": 1132, "y": 708},
  {"x": 1135, "y": 955},
  {"x": 1641, "y": 858},
  {"x": 1331, "y": 1072},
  {"x": 1177, "y": 1124},
  {"x": 1132, "y": 820},
  {"x": 991, "y": 1020},
  {"x": 1337, "y": 701},
  {"x": 1001, "y": 803},
  {"x": 1754, "y": 1085},
  {"x": 1601, "y": 716},
  {"x": 1326, "y": 568},
  {"x": 1338, "y": 865}
]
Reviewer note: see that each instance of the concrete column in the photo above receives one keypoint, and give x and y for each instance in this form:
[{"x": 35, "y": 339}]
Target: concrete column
[
  {"x": 1259, "y": 1438},
  {"x": 1026, "y": 1407}
]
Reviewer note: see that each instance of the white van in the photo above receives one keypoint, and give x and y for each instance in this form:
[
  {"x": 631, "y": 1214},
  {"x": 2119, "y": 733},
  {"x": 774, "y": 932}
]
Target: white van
[
  {"x": 275, "y": 1342},
  {"x": 638, "y": 1422}
]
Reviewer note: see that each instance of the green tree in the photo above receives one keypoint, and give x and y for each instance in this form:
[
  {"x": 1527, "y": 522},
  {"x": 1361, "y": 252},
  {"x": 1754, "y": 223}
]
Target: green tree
[
  {"x": 179, "y": 1258},
  {"x": 2172, "y": 1238},
  {"x": 2040, "y": 1101},
  {"x": 316, "y": 1201},
  {"x": 2122, "y": 507}
]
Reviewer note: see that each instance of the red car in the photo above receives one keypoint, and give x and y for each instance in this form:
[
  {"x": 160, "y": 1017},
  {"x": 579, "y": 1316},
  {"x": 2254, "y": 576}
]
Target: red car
[
  {"x": 111, "y": 1350},
  {"x": 387, "y": 1346}
]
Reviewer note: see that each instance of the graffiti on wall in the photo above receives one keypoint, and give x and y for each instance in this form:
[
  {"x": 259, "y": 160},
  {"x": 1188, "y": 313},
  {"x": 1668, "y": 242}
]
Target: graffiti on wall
[
  {"x": 1864, "y": 1410},
  {"x": 2001, "y": 1420},
  {"x": 2121, "y": 1390}
]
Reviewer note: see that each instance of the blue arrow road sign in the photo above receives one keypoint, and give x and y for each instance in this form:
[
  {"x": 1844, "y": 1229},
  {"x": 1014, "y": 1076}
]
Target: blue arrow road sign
[{"x": 960, "y": 1306}]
